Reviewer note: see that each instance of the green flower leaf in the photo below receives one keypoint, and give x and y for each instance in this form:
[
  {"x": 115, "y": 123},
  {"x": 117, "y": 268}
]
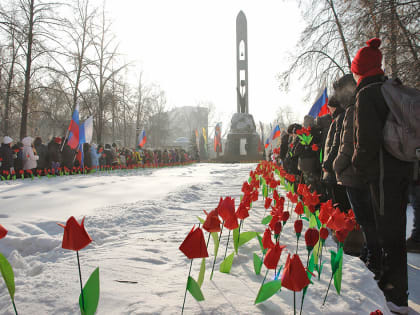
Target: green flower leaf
[
  {"x": 194, "y": 289},
  {"x": 90, "y": 294},
  {"x": 226, "y": 265},
  {"x": 268, "y": 290},
  {"x": 8, "y": 275}
]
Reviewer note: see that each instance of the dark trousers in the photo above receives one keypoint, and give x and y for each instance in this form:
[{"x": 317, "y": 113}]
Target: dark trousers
[
  {"x": 391, "y": 228},
  {"x": 337, "y": 194},
  {"x": 361, "y": 204},
  {"x": 414, "y": 197}
]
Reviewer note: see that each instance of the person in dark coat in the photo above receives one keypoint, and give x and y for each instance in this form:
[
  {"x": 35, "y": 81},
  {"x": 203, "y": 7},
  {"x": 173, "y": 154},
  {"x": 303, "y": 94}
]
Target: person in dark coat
[
  {"x": 387, "y": 176},
  {"x": 290, "y": 162},
  {"x": 323, "y": 123},
  {"x": 68, "y": 156},
  {"x": 6, "y": 155},
  {"x": 308, "y": 156},
  {"x": 356, "y": 189},
  {"x": 109, "y": 156},
  {"x": 42, "y": 152},
  {"x": 17, "y": 157},
  {"x": 335, "y": 192},
  {"x": 87, "y": 159},
  {"x": 284, "y": 145},
  {"x": 54, "y": 153}
]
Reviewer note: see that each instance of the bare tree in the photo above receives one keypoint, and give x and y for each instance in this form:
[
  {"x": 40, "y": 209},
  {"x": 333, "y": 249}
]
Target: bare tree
[
  {"x": 39, "y": 21},
  {"x": 100, "y": 69}
]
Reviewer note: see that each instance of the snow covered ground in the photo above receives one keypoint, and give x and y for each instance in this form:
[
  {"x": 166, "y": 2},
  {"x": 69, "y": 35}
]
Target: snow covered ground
[{"x": 137, "y": 220}]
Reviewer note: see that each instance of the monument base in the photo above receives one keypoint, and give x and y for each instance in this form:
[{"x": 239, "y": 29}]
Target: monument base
[{"x": 242, "y": 140}]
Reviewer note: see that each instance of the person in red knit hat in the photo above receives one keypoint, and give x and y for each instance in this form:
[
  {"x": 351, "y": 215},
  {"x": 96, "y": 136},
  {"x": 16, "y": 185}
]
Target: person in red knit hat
[{"x": 387, "y": 177}]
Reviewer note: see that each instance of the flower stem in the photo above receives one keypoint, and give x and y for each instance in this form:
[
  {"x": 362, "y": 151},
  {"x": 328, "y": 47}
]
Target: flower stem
[
  {"x": 227, "y": 245},
  {"x": 332, "y": 275},
  {"x": 186, "y": 288},
  {"x": 14, "y": 307},
  {"x": 81, "y": 284},
  {"x": 214, "y": 261},
  {"x": 294, "y": 302}
]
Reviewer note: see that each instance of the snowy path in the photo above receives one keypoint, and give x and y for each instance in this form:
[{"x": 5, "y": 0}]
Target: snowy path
[{"x": 138, "y": 219}]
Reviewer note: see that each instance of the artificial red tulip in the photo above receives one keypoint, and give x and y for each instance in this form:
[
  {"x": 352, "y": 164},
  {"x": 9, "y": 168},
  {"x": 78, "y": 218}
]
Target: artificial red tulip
[
  {"x": 266, "y": 239},
  {"x": 299, "y": 208},
  {"x": 194, "y": 245},
  {"x": 277, "y": 228},
  {"x": 272, "y": 257},
  {"x": 242, "y": 212},
  {"x": 75, "y": 236},
  {"x": 341, "y": 235},
  {"x": 267, "y": 203},
  {"x": 226, "y": 208},
  {"x": 294, "y": 276},
  {"x": 3, "y": 231},
  {"x": 298, "y": 227},
  {"x": 323, "y": 233},
  {"x": 311, "y": 238},
  {"x": 212, "y": 223},
  {"x": 285, "y": 216}
]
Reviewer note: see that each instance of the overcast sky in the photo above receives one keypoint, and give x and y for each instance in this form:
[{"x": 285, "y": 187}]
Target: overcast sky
[{"x": 188, "y": 47}]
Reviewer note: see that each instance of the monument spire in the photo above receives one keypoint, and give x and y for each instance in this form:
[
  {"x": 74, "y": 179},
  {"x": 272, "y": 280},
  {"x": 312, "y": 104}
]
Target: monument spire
[{"x": 242, "y": 63}]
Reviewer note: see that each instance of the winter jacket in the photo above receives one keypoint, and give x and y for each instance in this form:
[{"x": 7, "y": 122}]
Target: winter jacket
[
  {"x": 29, "y": 157},
  {"x": 284, "y": 145},
  {"x": 324, "y": 123},
  {"x": 54, "y": 153},
  {"x": 68, "y": 156},
  {"x": 370, "y": 115},
  {"x": 108, "y": 157},
  {"x": 344, "y": 171},
  {"x": 42, "y": 151},
  {"x": 6, "y": 154},
  {"x": 94, "y": 156},
  {"x": 332, "y": 144}
]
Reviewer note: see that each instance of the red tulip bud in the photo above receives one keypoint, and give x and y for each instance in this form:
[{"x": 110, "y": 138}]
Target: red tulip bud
[
  {"x": 311, "y": 238},
  {"x": 323, "y": 233},
  {"x": 277, "y": 228},
  {"x": 285, "y": 216},
  {"x": 298, "y": 226}
]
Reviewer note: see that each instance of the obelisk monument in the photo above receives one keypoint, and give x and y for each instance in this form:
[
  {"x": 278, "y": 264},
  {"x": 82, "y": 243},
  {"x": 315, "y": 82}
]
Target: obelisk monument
[{"x": 242, "y": 140}]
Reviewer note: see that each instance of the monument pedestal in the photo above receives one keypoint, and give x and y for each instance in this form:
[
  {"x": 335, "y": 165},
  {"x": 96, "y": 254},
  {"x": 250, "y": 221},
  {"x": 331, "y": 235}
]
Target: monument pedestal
[{"x": 242, "y": 140}]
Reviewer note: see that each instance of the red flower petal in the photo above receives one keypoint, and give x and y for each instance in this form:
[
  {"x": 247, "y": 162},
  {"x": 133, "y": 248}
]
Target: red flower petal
[
  {"x": 75, "y": 236},
  {"x": 194, "y": 245},
  {"x": 294, "y": 276}
]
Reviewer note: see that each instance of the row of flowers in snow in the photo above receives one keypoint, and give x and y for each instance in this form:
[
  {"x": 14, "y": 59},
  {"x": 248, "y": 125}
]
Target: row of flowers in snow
[
  {"x": 322, "y": 217},
  {"x": 64, "y": 171}
]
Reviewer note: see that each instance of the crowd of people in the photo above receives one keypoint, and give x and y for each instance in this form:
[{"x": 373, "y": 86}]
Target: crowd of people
[
  {"x": 341, "y": 156},
  {"x": 34, "y": 157}
]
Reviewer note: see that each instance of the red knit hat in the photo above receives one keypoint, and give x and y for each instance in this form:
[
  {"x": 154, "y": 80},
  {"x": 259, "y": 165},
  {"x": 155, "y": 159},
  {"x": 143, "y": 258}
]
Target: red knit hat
[{"x": 368, "y": 60}]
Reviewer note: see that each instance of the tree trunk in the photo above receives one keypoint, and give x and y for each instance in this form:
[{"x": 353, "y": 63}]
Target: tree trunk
[
  {"x": 340, "y": 31},
  {"x": 25, "y": 102}
]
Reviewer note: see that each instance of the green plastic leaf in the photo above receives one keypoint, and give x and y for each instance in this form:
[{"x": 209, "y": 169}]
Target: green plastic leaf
[
  {"x": 312, "y": 221},
  {"x": 318, "y": 223},
  {"x": 236, "y": 239},
  {"x": 194, "y": 289},
  {"x": 305, "y": 218},
  {"x": 227, "y": 264},
  {"x": 201, "y": 220},
  {"x": 338, "y": 275},
  {"x": 336, "y": 259},
  {"x": 266, "y": 220},
  {"x": 246, "y": 237},
  {"x": 215, "y": 237},
  {"x": 307, "y": 212},
  {"x": 8, "y": 276},
  {"x": 90, "y": 294},
  {"x": 268, "y": 290},
  {"x": 257, "y": 264},
  {"x": 202, "y": 272},
  {"x": 319, "y": 269},
  {"x": 264, "y": 250},
  {"x": 316, "y": 251},
  {"x": 282, "y": 181},
  {"x": 311, "y": 268}
]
